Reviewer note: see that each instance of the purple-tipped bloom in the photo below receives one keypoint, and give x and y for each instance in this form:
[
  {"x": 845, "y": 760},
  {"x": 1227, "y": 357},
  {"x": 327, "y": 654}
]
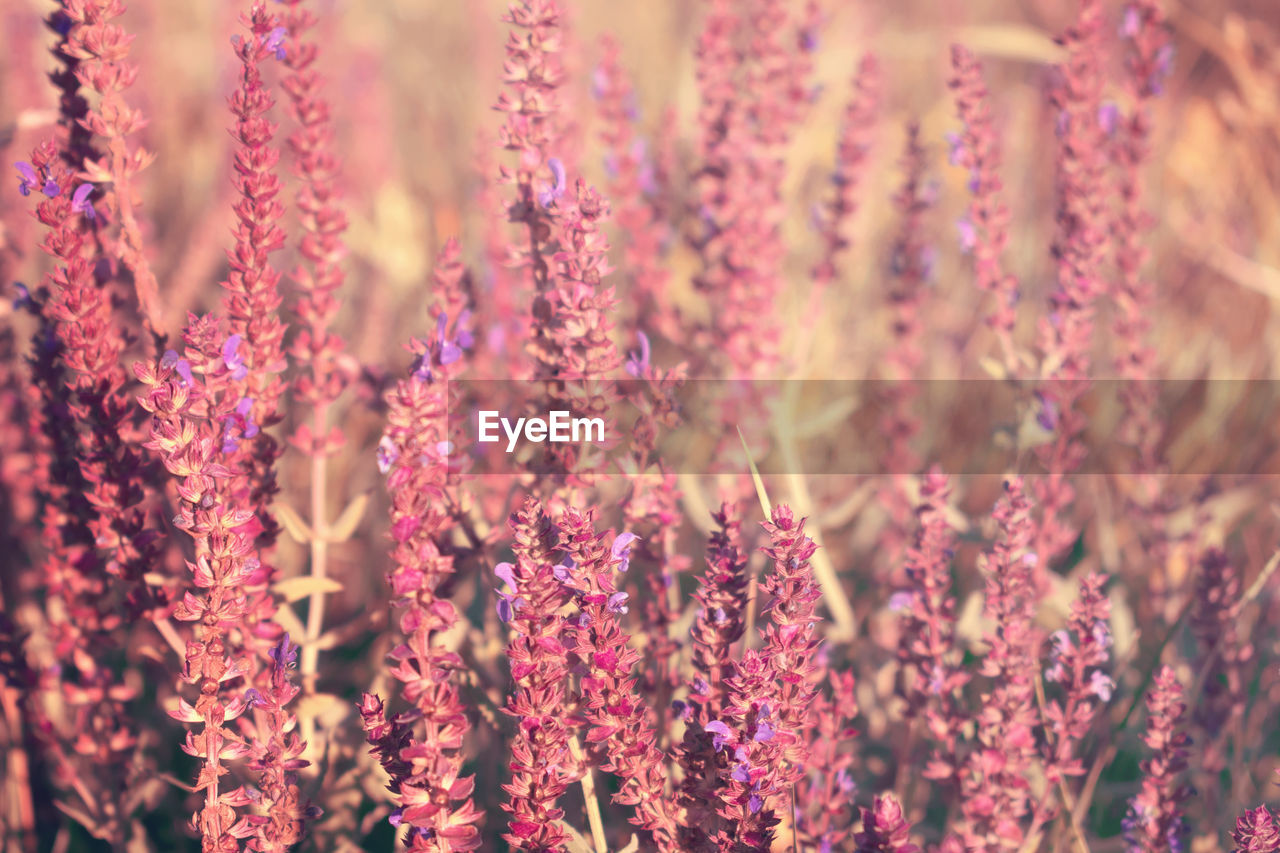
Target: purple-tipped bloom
[
  {"x": 231, "y": 357},
  {"x": 508, "y": 606},
  {"x": 249, "y": 429},
  {"x": 741, "y": 772},
  {"x": 285, "y": 654},
  {"x": 28, "y": 180},
  {"x": 80, "y": 201},
  {"x": 901, "y": 601},
  {"x": 507, "y": 574},
  {"x": 621, "y": 549},
  {"x": 1101, "y": 685},
  {"x": 638, "y": 362},
  {"x": 556, "y": 190},
  {"x": 564, "y": 571},
  {"x": 449, "y": 350},
  {"x": 618, "y": 602},
  {"x": 720, "y": 733},
  {"x": 764, "y": 731},
  {"x": 173, "y": 360},
  {"x": 387, "y": 454},
  {"x": 274, "y": 41},
  {"x": 1048, "y": 415}
]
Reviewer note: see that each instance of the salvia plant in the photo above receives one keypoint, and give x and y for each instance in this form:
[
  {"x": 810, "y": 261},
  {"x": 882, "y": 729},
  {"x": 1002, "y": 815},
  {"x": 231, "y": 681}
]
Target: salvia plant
[{"x": 742, "y": 425}]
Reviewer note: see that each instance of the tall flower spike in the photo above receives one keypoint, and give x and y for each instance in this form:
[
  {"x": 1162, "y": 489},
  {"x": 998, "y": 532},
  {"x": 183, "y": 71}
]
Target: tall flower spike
[
  {"x": 995, "y": 793},
  {"x": 932, "y": 676},
  {"x": 532, "y": 131},
  {"x": 186, "y": 439},
  {"x": 540, "y": 762},
  {"x": 1154, "y": 823},
  {"x": 1077, "y": 658},
  {"x": 1066, "y": 334},
  {"x": 425, "y": 762},
  {"x": 791, "y": 638},
  {"x": 251, "y": 302},
  {"x": 102, "y": 48},
  {"x": 977, "y": 149},
  {"x": 615, "y": 713},
  {"x": 1147, "y": 62},
  {"x": 97, "y": 490},
  {"x": 853, "y": 153},
  {"x": 719, "y": 623}
]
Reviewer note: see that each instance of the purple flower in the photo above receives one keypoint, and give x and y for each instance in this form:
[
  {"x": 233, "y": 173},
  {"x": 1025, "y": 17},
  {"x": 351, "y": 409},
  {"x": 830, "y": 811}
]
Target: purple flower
[
  {"x": 450, "y": 351},
  {"x": 1048, "y": 415},
  {"x": 28, "y": 180},
  {"x": 845, "y": 783},
  {"x": 248, "y": 429},
  {"x": 1101, "y": 685},
  {"x": 720, "y": 733},
  {"x": 508, "y": 606},
  {"x": 901, "y": 602},
  {"x": 621, "y": 549},
  {"x": 274, "y": 41},
  {"x": 741, "y": 772},
  {"x": 23, "y": 300},
  {"x": 387, "y": 454},
  {"x": 754, "y": 803},
  {"x": 564, "y": 571},
  {"x": 556, "y": 190},
  {"x": 681, "y": 709},
  {"x": 618, "y": 602},
  {"x": 172, "y": 360},
  {"x": 231, "y": 358},
  {"x": 1102, "y": 634},
  {"x": 80, "y": 201},
  {"x": 638, "y": 362},
  {"x": 955, "y": 149},
  {"x": 286, "y": 654},
  {"x": 506, "y": 573},
  {"x": 253, "y": 698}
]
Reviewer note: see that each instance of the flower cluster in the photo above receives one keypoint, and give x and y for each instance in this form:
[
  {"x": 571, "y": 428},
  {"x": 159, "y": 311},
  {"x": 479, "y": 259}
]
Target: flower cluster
[
  {"x": 994, "y": 787},
  {"x": 984, "y": 232},
  {"x": 1154, "y": 821},
  {"x": 1077, "y": 660},
  {"x": 540, "y": 762},
  {"x": 932, "y": 677},
  {"x": 425, "y": 765},
  {"x": 615, "y": 713}
]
